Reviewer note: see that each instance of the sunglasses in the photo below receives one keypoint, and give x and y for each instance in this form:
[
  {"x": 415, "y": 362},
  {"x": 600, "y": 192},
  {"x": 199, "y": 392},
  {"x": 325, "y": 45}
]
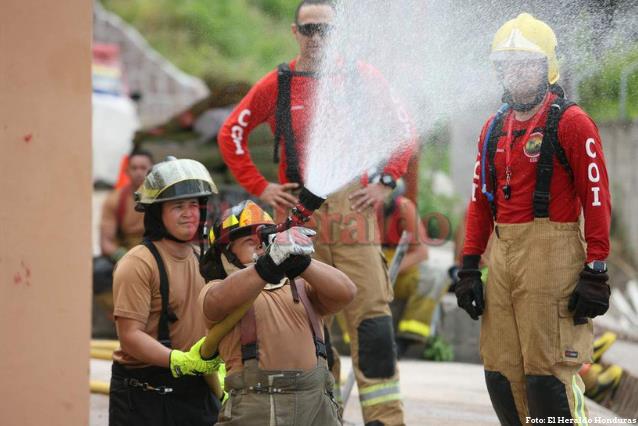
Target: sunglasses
[{"x": 309, "y": 30}]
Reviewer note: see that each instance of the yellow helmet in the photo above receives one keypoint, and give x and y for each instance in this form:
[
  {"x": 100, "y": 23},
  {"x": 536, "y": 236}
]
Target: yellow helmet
[
  {"x": 527, "y": 37},
  {"x": 239, "y": 221},
  {"x": 175, "y": 179}
]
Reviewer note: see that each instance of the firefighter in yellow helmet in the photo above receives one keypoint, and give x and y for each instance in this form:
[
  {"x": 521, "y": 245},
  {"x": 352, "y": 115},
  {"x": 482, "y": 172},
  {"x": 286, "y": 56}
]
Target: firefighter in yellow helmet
[
  {"x": 540, "y": 164},
  {"x": 275, "y": 355}
]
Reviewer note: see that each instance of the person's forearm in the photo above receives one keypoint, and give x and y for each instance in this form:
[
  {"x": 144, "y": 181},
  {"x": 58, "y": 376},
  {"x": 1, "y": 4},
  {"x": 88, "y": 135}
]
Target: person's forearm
[
  {"x": 108, "y": 246},
  {"x": 238, "y": 288},
  {"x": 333, "y": 288},
  {"x": 414, "y": 257},
  {"x": 143, "y": 347}
]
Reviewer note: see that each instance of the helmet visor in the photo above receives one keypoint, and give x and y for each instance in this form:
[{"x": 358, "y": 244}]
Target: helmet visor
[{"x": 176, "y": 179}]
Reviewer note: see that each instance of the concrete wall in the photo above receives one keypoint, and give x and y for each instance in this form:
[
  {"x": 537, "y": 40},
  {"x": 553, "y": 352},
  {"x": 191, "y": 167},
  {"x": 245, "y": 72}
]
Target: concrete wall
[
  {"x": 620, "y": 144},
  {"x": 45, "y": 212}
]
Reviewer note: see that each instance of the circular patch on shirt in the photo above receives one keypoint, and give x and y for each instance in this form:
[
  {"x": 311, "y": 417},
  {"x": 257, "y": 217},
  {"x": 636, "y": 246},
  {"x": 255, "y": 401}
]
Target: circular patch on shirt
[{"x": 533, "y": 146}]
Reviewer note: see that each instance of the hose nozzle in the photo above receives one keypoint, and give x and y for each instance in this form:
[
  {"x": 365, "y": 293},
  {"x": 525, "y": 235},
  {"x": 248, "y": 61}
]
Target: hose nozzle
[{"x": 300, "y": 214}]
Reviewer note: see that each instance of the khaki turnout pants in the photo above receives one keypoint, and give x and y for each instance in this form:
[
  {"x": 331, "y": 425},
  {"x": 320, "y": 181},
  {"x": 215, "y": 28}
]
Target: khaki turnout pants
[
  {"x": 530, "y": 346},
  {"x": 277, "y": 398},
  {"x": 350, "y": 242}
]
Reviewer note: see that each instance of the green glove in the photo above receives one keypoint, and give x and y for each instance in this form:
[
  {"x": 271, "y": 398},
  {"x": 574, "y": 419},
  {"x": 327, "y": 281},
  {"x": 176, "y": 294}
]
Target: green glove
[{"x": 191, "y": 362}]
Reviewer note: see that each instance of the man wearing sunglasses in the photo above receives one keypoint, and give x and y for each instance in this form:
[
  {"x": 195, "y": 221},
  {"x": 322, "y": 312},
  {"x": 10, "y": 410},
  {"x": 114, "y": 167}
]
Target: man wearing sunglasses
[
  {"x": 284, "y": 100},
  {"x": 540, "y": 165}
]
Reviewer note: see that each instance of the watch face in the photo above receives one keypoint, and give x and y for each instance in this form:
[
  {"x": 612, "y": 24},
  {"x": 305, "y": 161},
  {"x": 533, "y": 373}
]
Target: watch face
[{"x": 598, "y": 266}]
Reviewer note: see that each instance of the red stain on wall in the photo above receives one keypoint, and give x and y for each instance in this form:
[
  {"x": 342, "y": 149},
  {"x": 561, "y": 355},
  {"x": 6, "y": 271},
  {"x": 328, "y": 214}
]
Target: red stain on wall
[
  {"x": 24, "y": 276},
  {"x": 27, "y": 138}
]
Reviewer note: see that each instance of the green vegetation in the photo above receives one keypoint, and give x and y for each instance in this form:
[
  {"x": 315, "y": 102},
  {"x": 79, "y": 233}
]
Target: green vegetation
[
  {"x": 226, "y": 41},
  {"x": 600, "y": 93},
  {"x": 217, "y": 40},
  {"x": 435, "y": 158}
]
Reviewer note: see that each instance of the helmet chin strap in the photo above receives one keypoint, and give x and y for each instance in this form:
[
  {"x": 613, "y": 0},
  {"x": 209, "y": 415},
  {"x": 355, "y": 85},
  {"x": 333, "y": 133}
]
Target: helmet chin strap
[
  {"x": 541, "y": 91},
  {"x": 231, "y": 257}
]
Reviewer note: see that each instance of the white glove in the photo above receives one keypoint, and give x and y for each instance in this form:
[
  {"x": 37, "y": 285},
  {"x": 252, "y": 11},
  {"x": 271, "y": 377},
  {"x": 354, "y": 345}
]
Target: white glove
[{"x": 294, "y": 241}]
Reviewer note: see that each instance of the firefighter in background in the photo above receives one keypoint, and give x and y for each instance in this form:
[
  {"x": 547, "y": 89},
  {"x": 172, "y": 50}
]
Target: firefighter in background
[
  {"x": 284, "y": 100},
  {"x": 540, "y": 164},
  {"x": 121, "y": 227},
  {"x": 411, "y": 315}
]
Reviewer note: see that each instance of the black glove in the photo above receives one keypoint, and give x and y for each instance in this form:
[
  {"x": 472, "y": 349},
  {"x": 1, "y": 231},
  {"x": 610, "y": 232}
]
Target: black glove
[
  {"x": 296, "y": 265},
  {"x": 268, "y": 270},
  {"x": 469, "y": 289},
  {"x": 591, "y": 295},
  {"x": 292, "y": 242},
  {"x": 292, "y": 267}
]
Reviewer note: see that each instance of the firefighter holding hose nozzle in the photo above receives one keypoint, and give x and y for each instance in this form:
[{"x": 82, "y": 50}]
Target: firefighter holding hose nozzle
[{"x": 277, "y": 347}]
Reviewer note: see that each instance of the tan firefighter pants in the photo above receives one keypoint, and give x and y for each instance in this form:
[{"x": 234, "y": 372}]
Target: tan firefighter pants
[
  {"x": 530, "y": 346},
  {"x": 277, "y": 398},
  {"x": 350, "y": 242}
]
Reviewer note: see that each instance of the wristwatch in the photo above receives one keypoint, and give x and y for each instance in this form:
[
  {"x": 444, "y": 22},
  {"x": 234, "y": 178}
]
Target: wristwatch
[
  {"x": 384, "y": 179},
  {"x": 598, "y": 266}
]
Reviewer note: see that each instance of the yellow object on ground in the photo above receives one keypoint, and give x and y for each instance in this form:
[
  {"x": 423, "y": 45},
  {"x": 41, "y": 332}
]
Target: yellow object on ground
[
  {"x": 605, "y": 384},
  {"x": 99, "y": 387},
  {"x": 105, "y": 354},
  {"x": 602, "y": 344},
  {"x": 105, "y": 344}
]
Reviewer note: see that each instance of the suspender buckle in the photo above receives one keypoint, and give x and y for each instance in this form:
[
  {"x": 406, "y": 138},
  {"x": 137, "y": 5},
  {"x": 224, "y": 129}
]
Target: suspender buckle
[
  {"x": 321, "y": 349},
  {"x": 541, "y": 204},
  {"x": 541, "y": 196}
]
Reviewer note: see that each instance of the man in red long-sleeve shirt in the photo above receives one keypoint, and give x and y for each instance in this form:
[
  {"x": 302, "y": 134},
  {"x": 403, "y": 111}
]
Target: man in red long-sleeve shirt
[
  {"x": 348, "y": 236},
  {"x": 540, "y": 165}
]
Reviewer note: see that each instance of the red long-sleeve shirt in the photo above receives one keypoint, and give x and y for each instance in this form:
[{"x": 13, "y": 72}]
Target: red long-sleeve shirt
[
  {"x": 259, "y": 106},
  {"x": 589, "y": 192}
]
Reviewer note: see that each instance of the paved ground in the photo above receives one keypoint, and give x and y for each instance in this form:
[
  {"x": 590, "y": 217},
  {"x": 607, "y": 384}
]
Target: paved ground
[{"x": 434, "y": 394}]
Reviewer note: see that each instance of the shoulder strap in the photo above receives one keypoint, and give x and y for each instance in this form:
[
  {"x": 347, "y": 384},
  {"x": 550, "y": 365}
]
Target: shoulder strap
[
  {"x": 492, "y": 144},
  {"x": 284, "y": 78},
  {"x": 248, "y": 328},
  {"x": 166, "y": 315},
  {"x": 545, "y": 167},
  {"x": 283, "y": 124},
  {"x": 317, "y": 331},
  {"x": 558, "y": 148}
]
